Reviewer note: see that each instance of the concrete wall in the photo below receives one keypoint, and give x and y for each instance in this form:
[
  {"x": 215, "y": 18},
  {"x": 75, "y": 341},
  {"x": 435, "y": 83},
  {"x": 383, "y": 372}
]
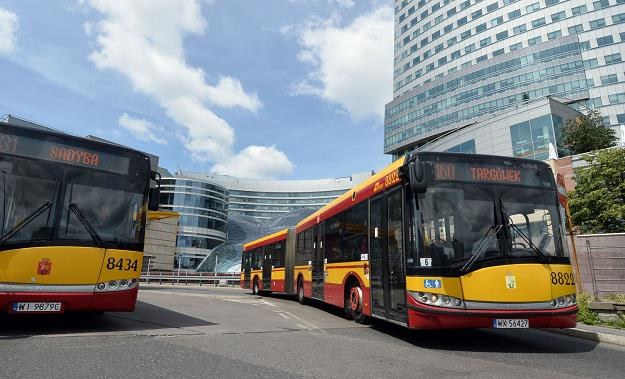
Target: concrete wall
[
  {"x": 605, "y": 253},
  {"x": 160, "y": 243}
]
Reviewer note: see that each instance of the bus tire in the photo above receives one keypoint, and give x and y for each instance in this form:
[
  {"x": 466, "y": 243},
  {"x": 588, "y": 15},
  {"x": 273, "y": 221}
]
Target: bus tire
[
  {"x": 255, "y": 288},
  {"x": 355, "y": 303},
  {"x": 300, "y": 292}
]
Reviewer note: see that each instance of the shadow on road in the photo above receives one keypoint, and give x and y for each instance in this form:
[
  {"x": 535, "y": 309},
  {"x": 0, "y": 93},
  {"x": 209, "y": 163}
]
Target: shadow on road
[
  {"x": 145, "y": 317},
  {"x": 487, "y": 340}
]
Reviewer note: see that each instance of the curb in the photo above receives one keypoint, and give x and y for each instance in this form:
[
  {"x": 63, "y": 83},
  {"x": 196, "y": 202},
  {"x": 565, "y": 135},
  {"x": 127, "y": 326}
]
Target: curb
[{"x": 591, "y": 335}]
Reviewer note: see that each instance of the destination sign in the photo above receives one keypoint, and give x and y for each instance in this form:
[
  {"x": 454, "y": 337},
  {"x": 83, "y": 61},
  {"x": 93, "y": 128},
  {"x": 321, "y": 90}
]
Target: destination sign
[
  {"x": 50, "y": 150},
  {"x": 525, "y": 174}
]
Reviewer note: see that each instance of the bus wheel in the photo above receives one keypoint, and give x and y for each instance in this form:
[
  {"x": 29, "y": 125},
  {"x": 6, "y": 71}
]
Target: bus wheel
[
  {"x": 355, "y": 303},
  {"x": 300, "y": 292},
  {"x": 255, "y": 290}
]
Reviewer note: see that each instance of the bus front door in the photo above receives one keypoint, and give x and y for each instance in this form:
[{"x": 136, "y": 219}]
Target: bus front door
[
  {"x": 267, "y": 268},
  {"x": 246, "y": 269},
  {"x": 319, "y": 264},
  {"x": 387, "y": 275}
]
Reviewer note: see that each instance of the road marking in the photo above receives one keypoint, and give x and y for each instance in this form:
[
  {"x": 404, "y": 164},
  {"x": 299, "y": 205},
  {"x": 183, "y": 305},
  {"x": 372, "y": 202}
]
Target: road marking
[{"x": 281, "y": 314}]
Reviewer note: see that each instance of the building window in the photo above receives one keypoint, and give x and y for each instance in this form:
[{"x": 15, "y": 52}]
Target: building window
[
  {"x": 575, "y": 29},
  {"x": 461, "y": 21},
  {"x": 451, "y": 41},
  {"x": 538, "y": 22},
  {"x": 516, "y": 46},
  {"x": 579, "y": 10},
  {"x": 590, "y": 63},
  {"x": 620, "y": 118},
  {"x": 613, "y": 58},
  {"x": 554, "y": 35},
  {"x": 551, "y": 2},
  {"x": 485, "y": 42},
  {"x": 603, "y": 41},
  {"x": 455, "y": 54},
  {"x": 600, "y": 4},
  {"x": 534, "y": 41},
  {"x": 482, "y": 58},
  {"x": 448, "y": 28},
  {"x": 496, "y": 21},
  {"x": 514, "y": 14},
  {"x": 492, "y": 7},
  {"x": 596, "y": 24},
  {"x": 519, "y": 29},
  {"x": 469, "y": 48},
  {"x": 558, "y": 16},
  {"x": 480, "y": 28},
  {"x": 497, "y": 52},
  {"x": 477, "y": 14},
  {"x": 618, "y": 18},
  {"x": 465, "y": 34},
  {"x": 467, "y": 147},
  {"x": 609, "y": 79},
  {"x": 438, "y": 48},
  {"x": 617, "y": 98},
  {"x": 532, "y": 7},
  {"x": 502, "y": 35}
]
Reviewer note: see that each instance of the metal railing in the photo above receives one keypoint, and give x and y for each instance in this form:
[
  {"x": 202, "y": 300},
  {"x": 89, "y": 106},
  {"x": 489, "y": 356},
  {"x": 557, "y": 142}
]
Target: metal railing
[{"x": 186, "y": 278}]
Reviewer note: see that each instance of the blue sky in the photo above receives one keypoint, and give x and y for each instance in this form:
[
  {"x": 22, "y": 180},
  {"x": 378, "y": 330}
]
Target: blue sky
[{"x": 270, "y": 89}]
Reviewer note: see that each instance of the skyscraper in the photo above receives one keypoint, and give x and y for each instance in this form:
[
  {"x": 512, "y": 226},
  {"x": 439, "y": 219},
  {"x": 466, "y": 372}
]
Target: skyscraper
[{"x": 457, "y": 61}]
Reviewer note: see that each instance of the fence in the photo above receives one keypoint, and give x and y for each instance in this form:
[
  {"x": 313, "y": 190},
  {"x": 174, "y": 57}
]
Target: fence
[
  {"x": 187, "y": 278},
  {"x": 601, "y": 262}
]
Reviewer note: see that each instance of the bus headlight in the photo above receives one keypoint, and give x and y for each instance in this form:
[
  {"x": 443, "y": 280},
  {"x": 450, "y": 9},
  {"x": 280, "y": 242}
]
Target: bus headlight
[
  {"x": 564, "y": 301},
  {"x": 436, "y": 299}
]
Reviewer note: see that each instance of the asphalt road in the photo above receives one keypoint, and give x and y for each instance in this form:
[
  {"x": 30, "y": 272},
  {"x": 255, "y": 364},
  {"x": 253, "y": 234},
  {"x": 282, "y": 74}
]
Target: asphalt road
[{"x": 227, "y": 332}]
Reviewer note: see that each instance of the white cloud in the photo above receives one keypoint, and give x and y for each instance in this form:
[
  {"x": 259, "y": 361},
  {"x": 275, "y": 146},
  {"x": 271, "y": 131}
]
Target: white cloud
[
  {"x": 352, "y": 66},
  {"x": 9, "y": 23},
  {"x": 345, "y": 3},
  {"x": 143, "y": 40},
  {"x": 256, "y": 162},
  {"x": 141, "y": 129}
]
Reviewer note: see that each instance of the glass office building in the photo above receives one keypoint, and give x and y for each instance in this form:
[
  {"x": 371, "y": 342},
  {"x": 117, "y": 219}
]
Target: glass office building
[
  {"x": 203, "y": 209},
  {"x": 459, "y": 61}
]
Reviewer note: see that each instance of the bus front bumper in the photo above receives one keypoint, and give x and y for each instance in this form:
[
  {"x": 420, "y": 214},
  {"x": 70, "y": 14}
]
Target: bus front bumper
[
  {"x": 113, "y": 301},
  {"x": 426, "y": 317}
]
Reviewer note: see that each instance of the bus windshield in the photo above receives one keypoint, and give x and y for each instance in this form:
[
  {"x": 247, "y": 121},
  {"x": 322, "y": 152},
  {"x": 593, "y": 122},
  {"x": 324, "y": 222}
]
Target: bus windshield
[
  {"x": 464, "y": 226},
  {"x": 44, "y": 204}
]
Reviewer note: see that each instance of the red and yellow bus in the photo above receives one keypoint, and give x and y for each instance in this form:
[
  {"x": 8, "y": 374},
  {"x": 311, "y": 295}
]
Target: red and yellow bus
[
  {"x": 434, "y": 240},
  {"x": 73, "y": 221}
]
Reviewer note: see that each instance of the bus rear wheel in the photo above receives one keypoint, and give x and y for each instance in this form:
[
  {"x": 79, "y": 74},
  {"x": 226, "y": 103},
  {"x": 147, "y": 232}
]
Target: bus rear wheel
[
  {"x": 355, "y": 303},
  {"x": 300, "y": 292}
]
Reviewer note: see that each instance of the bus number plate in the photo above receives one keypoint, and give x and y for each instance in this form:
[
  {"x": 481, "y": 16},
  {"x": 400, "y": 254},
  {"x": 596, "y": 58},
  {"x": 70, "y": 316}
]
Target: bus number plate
[
  {"x": 36, "y": 307},
  {"x": 508, "y": 323}
]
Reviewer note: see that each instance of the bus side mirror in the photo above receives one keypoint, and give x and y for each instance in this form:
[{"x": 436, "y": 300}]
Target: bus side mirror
[
  {"x": 416, "y": 175},
  {"x": 154, "y": 199}
]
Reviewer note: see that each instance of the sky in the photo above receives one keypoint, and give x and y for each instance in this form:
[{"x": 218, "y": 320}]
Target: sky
[{"x": 274, "y": 89}]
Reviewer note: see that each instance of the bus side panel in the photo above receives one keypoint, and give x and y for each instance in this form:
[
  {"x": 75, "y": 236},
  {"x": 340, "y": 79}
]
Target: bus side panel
[
  {"x": 277, "y": 280},
  {"x": 335, "y": 283}
]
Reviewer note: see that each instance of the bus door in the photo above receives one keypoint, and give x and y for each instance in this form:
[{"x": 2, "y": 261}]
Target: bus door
[
  {"x": 247, "y": 260},
  {"x": 267, "y": 267},
  {"x": 387, "y": 275},
  {"x": 319, "y": 264}
]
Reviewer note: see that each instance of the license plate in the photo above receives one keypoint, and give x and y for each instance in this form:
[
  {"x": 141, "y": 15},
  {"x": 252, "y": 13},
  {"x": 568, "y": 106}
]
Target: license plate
[
  {"x": 508, "y": 323},
  {"x": 36, "y": 307}
]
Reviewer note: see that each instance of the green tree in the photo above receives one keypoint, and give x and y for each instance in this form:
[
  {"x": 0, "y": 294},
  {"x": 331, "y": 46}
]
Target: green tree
[
  {"x": 598, "y": 201},
  {"x": 587, "y": 133}
]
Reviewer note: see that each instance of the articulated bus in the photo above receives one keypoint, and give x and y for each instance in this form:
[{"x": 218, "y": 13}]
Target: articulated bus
[
  {"x": 435, "y": 240},
  {"x": 73, "y": 222}
]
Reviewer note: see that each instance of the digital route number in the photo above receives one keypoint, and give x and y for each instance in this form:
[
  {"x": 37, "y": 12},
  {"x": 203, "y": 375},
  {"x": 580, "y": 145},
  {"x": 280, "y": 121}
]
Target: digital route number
[
  {"x": 562, "y": 278},
  {"x": 121, "y": 264}
]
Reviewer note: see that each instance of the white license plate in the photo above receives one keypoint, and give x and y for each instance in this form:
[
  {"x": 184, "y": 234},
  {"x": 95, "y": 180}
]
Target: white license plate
[
  {"x": 511, "y": 323},
  {"x": 36, "y": 307}
]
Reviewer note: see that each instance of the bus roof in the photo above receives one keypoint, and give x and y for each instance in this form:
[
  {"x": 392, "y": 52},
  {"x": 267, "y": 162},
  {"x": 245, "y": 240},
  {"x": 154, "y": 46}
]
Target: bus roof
[
  {"x": 271, "y": 238},
  {"x": 383, "y": 179}
]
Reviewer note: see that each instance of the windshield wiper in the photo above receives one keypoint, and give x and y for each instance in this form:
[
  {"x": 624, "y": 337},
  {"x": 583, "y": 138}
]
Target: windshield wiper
[
  {"x": 45, "y": 206},
  {"x": 528, "y": 241},
  {"x": 83, "y": 220},
  {"x": 482, "y": 245}
]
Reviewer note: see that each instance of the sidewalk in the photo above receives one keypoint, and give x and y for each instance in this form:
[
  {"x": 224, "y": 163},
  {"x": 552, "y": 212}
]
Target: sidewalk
[{"x": 595, "y": 333}]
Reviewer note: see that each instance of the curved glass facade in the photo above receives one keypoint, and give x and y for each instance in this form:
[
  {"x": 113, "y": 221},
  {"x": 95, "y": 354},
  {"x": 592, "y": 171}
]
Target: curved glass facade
[
  {"x": 203, "y": 209},
  {"x": 456, "y": 61}
]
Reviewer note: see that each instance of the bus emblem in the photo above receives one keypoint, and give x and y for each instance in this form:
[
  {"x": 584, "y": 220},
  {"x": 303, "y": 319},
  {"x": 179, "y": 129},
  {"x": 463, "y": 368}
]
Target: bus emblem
[
  {"x": 44, "y": 266},
  {"x": 510, "y": 282}
]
